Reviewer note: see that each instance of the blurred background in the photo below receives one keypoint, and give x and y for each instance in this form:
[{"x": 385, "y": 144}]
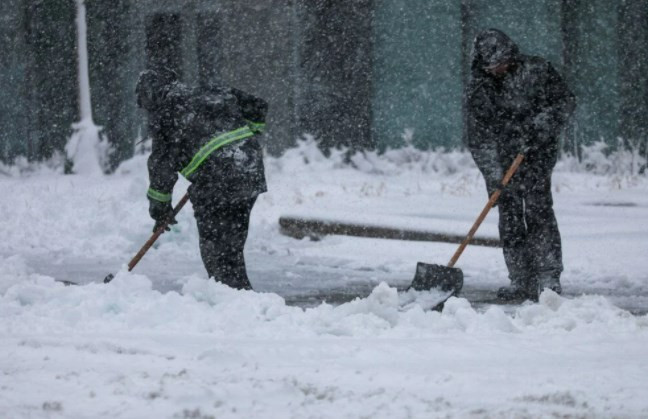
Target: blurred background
[{"x": 365, "y": 74}]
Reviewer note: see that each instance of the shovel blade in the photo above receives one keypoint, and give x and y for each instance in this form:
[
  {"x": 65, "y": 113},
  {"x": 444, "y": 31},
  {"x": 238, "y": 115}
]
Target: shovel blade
[{"x": 430, "y": 276}]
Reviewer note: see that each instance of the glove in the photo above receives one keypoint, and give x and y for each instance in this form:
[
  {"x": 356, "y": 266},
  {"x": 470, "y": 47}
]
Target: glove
[
  {"x": 252, "y": 107},
  {"x": 162, "y": 213},
  {"x": 493, "y": 175}
]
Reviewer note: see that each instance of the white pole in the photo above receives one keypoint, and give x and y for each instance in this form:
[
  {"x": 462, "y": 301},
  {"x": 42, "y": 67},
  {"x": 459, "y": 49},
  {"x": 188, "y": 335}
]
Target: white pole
[
  {"x": 85, "y": 149},
  {"x": 85, "y": 106}
]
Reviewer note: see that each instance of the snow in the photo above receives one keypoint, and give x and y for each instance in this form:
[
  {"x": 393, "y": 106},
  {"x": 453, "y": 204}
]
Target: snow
[{"x": 162, "y": 341}]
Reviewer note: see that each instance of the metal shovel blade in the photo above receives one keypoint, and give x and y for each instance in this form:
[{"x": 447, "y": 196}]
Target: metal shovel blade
[{"x": 429, "y": 276}]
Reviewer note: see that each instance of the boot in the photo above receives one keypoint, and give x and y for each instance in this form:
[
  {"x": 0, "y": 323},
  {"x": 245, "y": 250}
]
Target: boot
[
  {"x": 515, "y": 291},
  {"x": 551, "y": 282}
]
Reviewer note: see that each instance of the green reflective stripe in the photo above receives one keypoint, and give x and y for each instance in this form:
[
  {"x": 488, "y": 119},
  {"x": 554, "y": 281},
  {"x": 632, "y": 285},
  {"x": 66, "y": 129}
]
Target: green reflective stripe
[
  {"x": 158, "y": 196},
  {"x": 256, "y": 126},
  {"x": 213, "y": 145}
]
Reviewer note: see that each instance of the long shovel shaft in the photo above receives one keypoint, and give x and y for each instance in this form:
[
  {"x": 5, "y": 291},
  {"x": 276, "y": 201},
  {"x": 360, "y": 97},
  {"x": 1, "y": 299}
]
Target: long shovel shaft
[
  {"x": 157, "y": 234},
  {"x": 493, "y": 199}
]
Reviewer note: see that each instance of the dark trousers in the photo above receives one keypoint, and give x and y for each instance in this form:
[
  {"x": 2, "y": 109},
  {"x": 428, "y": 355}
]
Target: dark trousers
[
  {"x": 528, "y": 228},
  {"x": 223, "y": 230}
]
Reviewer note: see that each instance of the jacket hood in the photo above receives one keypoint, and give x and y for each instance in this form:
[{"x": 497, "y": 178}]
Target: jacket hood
[
  {"x": 152, "y": 85},
  {"x": 492, "y": 47}
]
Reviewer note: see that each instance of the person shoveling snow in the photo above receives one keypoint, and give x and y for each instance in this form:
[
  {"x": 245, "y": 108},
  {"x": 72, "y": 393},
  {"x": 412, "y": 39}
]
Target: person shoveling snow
[
  {"x": 208, "y": 136},
  {"x": 519, "y": 104}
]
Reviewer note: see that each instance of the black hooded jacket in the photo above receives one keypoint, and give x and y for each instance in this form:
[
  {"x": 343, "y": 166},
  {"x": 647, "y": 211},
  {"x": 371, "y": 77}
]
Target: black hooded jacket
[
  {"x": 182, "y": 121},
  {"x": 523, "y": 110}
]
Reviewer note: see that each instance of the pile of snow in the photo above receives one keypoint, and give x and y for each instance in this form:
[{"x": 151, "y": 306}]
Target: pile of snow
[
  {"x": 87, "y": 149},
  {"x": 129, "y": 303},
  {"x": 126, "y": 350},
  {"x": 199, "y": 349},
  {"x": 599, "y": 158}
]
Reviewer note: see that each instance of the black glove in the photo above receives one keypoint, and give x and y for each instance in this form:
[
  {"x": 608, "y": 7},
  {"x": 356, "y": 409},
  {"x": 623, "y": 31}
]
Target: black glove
[
  {"x": 253, "y": 108},
  {"x": 493, "y": 175},
  {"x": 162, "y": 213}
]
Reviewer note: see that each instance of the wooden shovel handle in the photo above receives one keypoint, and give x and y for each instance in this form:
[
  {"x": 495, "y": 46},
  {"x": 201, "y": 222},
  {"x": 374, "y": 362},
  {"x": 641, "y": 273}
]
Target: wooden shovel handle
[
  {"x": 157, "y": 234},
  {"x": 493, "y": 198}
]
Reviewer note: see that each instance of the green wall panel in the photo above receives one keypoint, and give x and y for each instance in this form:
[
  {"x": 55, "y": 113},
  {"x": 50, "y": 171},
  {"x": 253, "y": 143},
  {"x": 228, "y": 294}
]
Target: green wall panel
[
  {"x": 417, "y": 73},
  {"x": 13, "y": 95},
  {"x": 595, "y": 75},
  {"x": 633, "y": 77}
]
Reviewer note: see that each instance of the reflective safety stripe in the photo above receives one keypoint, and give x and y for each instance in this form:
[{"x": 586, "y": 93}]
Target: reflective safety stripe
[
  {"x": 213, "y": 145},
  {"x": 158, "y": 196}
]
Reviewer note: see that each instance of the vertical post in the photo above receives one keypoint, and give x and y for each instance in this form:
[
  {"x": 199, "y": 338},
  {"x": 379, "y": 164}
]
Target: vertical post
[
  {"x": 49, "y": 65},
  {"x": 208, "y": 47},
  {"x": 84, "y": 149},
  {"x": 85, "y": 106},
  {"x": 164, "y": 41},
  {"x": 336, "y": 65},
  {"x": 467, "y": 28},
  {"x": 633, "y": 73},
  {"x": 569, "y": 34}
]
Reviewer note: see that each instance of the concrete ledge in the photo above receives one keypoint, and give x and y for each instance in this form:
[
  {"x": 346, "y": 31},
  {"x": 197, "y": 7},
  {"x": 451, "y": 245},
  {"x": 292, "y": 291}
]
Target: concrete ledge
[{"x": 301, "y": 227}]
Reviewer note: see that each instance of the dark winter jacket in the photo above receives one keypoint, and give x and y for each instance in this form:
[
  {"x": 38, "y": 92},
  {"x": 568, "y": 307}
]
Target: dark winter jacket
[
  {"x": 206, "y": 135},
  {"x": 522, "y": 110}
]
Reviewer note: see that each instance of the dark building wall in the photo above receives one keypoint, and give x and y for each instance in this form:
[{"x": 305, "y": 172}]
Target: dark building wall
[
  {"x": 50, "y": 37},
  {"x": 593, "y": 73},
  {"x": 633, "y": 71},
  {"x": 334, "y": 89},
  {"x": 110, "y": 53},
  {"x": 256, "y": 51},
  {"x": 14, "y": 106},
  {"x": 39, "y": 77},
  {"x": 356, "y": 73},
  {"x": 417, "y": 73}
]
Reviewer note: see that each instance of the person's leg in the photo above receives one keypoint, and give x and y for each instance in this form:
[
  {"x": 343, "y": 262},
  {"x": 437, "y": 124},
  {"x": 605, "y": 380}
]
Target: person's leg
[
  {"x": 513, "y": 237},
  {"x": 543, "y": 236},
  {"x": 223, "y": 230}
]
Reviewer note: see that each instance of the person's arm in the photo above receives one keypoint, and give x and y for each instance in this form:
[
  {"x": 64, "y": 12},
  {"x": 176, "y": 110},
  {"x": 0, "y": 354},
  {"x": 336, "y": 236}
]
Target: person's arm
[
  {"x": 162, "y": 169},
  {"x": 163, "y": 174},
  {"x": 557, "y": 103},
  {"x": 164, "y": 163},
  {"x": 482, "y": 138}
]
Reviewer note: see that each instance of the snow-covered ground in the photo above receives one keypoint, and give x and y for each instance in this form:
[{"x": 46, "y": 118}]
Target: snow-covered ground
[{"x": 165, "y": 342}]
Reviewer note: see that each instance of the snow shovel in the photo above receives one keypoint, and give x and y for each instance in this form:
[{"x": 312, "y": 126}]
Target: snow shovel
[
  {"x": 152, "y": 239},
  {"x": 449, "y": 279}
]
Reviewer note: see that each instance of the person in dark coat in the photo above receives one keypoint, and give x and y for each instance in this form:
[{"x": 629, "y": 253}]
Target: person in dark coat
[
  {"x": 518, "y": 104},
  {"x": 210, "y": 137}
]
